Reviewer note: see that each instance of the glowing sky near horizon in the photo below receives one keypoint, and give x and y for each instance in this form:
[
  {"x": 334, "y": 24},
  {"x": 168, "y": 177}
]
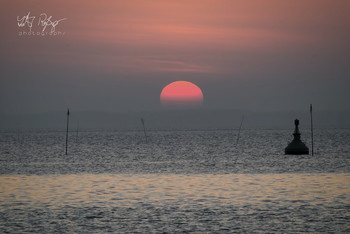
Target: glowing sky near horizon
[{"x": 117, "y": 55}]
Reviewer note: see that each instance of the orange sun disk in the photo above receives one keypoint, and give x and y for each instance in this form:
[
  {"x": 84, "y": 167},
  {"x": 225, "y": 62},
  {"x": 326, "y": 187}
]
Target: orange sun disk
[{"x": 181, "y": 94}]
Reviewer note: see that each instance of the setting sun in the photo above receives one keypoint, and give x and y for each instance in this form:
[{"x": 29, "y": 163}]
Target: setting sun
[{"x": 181, "y": 94}]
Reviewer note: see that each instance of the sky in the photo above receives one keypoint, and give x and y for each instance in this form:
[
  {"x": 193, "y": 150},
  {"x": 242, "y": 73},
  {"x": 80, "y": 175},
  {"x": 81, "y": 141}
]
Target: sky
[{"x": 259, "y": 55}]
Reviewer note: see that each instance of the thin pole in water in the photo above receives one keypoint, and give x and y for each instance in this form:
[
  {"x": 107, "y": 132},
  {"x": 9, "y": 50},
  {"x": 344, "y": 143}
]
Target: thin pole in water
[
  {"x": 76, "y": 137},
  {"x": 18, "y": 136},
  {"x": 312, "y": 132},
  {"x": 239, "y": 130},
  {"x": 144, "y": 129},
  {"x": 67, "y": 132}
]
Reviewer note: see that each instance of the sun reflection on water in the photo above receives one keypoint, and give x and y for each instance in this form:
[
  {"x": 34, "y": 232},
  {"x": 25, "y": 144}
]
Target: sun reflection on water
[
  {"x": 83, "y": 189},
  {"x": 175, "y": 203}
]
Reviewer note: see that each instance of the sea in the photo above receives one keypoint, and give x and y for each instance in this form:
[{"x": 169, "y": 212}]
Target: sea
[{"x": 173, "y": 181}]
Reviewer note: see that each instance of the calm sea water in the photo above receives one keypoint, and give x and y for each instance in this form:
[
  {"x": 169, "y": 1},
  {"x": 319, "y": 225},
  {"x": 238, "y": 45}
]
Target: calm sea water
[{"x": 175, "y": 181}]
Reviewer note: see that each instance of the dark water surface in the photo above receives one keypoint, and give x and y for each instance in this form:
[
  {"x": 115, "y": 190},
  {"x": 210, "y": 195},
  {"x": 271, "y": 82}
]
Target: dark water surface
[
  {"x": 258, "y": 151},
  {"x": 177, "y": 181}
]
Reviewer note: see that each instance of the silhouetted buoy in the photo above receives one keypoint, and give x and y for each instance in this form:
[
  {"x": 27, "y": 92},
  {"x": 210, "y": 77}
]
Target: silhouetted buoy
[{"x": 296, "y": 146}]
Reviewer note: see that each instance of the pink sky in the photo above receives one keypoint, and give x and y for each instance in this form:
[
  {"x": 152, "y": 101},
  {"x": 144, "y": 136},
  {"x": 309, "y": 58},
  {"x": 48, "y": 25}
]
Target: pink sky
[
  {"x": 187, "y": 36},
  {"x": 195, "y": 40}
]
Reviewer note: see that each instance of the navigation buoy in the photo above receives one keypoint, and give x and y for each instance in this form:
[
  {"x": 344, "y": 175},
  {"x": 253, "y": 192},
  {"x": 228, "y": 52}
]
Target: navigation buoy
[{"x": 296, "y": 147}]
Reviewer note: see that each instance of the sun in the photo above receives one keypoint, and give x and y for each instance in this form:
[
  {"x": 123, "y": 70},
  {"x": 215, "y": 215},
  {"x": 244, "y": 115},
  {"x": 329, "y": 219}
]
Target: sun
[{"x": 181, "y": 95}]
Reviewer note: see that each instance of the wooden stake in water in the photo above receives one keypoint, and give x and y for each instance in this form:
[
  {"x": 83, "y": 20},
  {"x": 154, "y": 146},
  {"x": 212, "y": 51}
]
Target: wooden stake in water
[
  {"x": 144, "y": 129},
  {"x": 18, "y": 136},
  {"x": 239, "y": 130},
  {"x": 67, "y": 132},
  {"x": 312, "y": 132},
  {"x": 76, "y": 137}
]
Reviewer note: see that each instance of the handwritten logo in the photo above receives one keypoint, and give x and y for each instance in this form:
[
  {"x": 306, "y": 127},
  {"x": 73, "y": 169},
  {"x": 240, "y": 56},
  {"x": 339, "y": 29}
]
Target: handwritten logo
[{"x": 46, "y": 25}]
